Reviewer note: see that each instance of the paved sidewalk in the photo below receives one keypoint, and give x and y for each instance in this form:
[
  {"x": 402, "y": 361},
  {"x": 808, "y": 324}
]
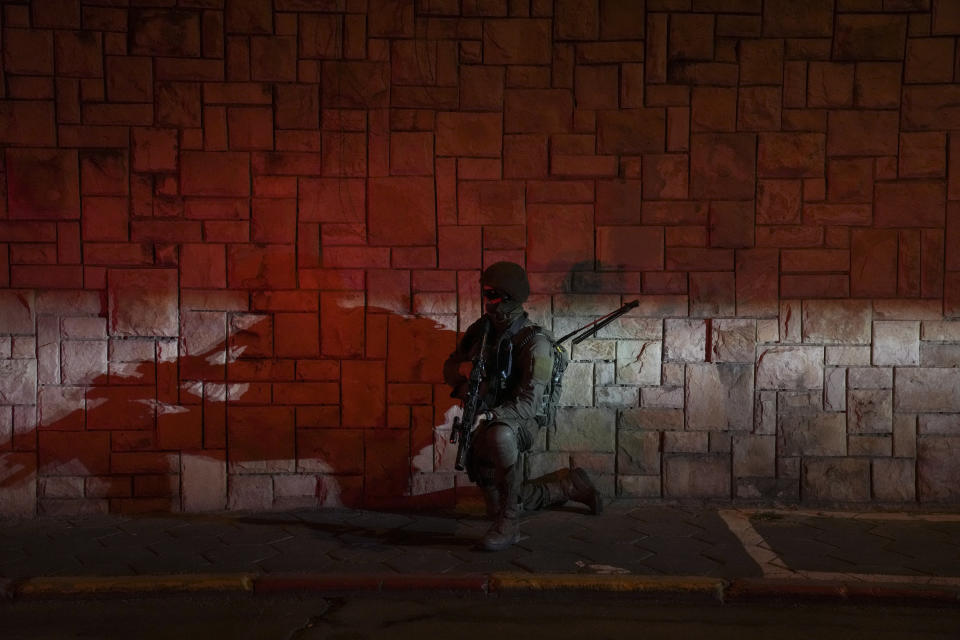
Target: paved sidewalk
[{"x": 722, "y": 553}]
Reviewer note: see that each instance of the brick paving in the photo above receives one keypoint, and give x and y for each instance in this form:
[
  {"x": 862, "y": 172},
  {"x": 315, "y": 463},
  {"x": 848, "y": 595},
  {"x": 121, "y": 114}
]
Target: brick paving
[{"x": 626, "y": 539}]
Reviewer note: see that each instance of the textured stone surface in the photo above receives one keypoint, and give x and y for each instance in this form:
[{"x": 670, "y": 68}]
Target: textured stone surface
[
  {"x": 583, "y": 430},
  {"x": 869, "y": 411},
  {"x": 896, "y": 342},
  {"x": 811, "y": 433},
  {"x": 638, "y": 362},
  {"x": 938, "y": 479},
  {"x": 790, "y": 368},
  {"x": 638, "y": 452},
  {"x": 719, "y": 396},
  {"x": 836, "y": 479},
  {"x": 685, "y": 340},
  {"x": 836, "y": 321},
  {"x": 734, "y": 340},
  {"x": 696, "y": 476},
  {"x": 286, "y": 207},
  {"x": 143, "y": 302},
  {"x": 927, "y": 390}
]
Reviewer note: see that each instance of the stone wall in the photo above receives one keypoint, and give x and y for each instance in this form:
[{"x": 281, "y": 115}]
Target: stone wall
[{"x": 238, "y": 237}]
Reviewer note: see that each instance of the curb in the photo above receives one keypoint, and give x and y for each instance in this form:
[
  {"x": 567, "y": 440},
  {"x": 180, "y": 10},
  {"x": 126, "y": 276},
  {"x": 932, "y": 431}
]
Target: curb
[
  {"x": 640, "y": 585},
  {"x": 132, "y": 585},
  {"x": 371, "y": 582},
  {"x": 743, "y": 589},
  {"x": 497, "y": 583}
]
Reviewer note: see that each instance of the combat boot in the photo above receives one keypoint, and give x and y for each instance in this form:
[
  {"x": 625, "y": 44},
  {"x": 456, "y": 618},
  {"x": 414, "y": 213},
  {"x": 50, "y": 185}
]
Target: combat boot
[
  {"x": 578, "y": 487},
  {"x": 506, "y": 526},
  {"x": 491, "y": 500},
  {"x": 504, "y": 532}
]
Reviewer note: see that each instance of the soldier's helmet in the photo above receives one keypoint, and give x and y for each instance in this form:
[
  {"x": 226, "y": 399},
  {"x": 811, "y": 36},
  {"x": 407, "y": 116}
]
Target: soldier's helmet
[{"x": 509, "y": 278}]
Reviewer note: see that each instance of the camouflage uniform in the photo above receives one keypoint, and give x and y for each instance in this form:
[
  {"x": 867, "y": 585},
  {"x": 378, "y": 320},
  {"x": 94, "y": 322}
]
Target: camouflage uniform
[{"x": 519, "y": 365}]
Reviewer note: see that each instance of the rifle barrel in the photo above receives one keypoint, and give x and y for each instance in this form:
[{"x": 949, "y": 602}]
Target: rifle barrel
[{"x": 598, "y": 324}]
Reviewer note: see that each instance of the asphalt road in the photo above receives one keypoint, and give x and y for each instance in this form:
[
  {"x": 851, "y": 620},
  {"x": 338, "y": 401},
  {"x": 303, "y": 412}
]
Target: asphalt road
[{"x": 300, "y": 617}]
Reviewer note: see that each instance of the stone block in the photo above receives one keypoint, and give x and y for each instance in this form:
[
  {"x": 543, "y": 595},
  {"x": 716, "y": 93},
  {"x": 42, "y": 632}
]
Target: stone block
[
  {"x": 42, "y": 184},
  {"x": 722, "y": 166},
  {"x": 665, "y": 176},
  {"x": 941, "y": 330},
  {"x": 927, "y": 390},
  {"x": 210, "y": 173},
  {"x": 686, "y": 442},
  {"x": 685, "y": 340},
  {"x": 74, "y": 453},
  {"x": 905, "y": 435},
  {"x": 841, "y": 355},
  {"x": 633, "y": 248},
  {"x": 491, "y": 202},
  {"x": 633, "y": 132},
  {"x": 850, "y": 180},
  {"x": 930, "y": 107},
  {"x": 619, "y": 396},
  {"x": 894, "y": 480},
  {"x": 754, "y": 455},
  {"x": 17, "y": 312},
  {"x": 874, "y": 446},
  {"x": 926, "y": 201},
  {"x": 691, "y": 36},
  {"x": 923, "y": 155},
  {"x": 165, "y": 32},
  {"x": 877, "y": 84},
  {"x": 835, "y": 389},
  {"x": 539, "y": 111},
  {"x": 638, "y": 486},
  {"x": 791, "y": 155},
  {"x": 836, "y": 321},
  {"x": 355, "y": 85},
  {"x": 250, "y": 493},
  {"x": 578, "y": 385},
  {"x": 790, "y": 368},
  {"x": 604, "y": 373},
  {"x": 869, "y": 37},
  {"x": 516, "y": 41},
  {"x": 136, "y": 313},
  {"x": 947, "y": 424},
  {"x": 783, "y": 18},
  {"x": 18, "y": 499},
  {"x": 638, "y": 362},
  {"x": 732, "y": 224},
  {"x": 830, "y": 85},
  {"x": 630, "y": 327},
  {"x": 401, "y": 211},
  {"x": 582, "y": 429},
  {"x": 18, "y": 382},
  {"x": 836, "y": 479},
  {"x": 811, "y": 433},
  {"x": 939, "y": 355},
  {"x": 469, "y": 134},
  {"x": 719, "y": 396},
  {"x": 757, "y": 285},
  {"x": 559, "y": 237},
  {"x": 733, "y": 340},
  {"x": 779, "y": 201},
  {"x": 662, "y": 397},
  {"x": 261, "y": 439},
  {"x": 696, "y": 476},
  {"x": 638, "y": 452},
  {"x": 870, "y": 377},
  {"x": 938, "y": 474},
  {"x": 896, "y": 342},
  {"x": 866, "y": 133},
  {"x": 869, "y": 411},
  {"x": 203, "y": 479},
  {"x": 873, "y": 263},
  {"x": 83, "y": 362}
]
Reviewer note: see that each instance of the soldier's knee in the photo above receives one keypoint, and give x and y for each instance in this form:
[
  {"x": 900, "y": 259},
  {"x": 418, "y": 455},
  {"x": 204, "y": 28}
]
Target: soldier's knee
[{"x": 502, "y": 441}]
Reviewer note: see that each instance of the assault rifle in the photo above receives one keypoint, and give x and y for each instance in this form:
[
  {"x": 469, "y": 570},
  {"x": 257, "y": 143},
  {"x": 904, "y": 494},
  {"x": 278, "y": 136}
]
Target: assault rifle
[
  {"x": 462, "y": 426},
  {"x": 471, "y": 404}
]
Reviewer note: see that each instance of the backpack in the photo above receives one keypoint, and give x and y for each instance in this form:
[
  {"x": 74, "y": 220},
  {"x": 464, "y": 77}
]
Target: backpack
[{"x": 547, "y": 413}]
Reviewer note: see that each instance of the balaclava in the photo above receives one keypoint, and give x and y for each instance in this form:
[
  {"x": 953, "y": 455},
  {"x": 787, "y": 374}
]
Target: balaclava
[{"x": 511, "y": 280}]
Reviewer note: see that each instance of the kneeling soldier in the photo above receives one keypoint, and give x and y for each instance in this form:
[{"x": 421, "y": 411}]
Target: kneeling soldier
[{"x": 519, "y": 359}]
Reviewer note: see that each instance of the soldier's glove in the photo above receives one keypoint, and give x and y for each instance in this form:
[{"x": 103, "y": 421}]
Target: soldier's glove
[{"x": 482, "y": 417}]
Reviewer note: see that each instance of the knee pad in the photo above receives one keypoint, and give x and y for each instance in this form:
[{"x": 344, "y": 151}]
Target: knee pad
[{"x": 502, "y": 445}]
